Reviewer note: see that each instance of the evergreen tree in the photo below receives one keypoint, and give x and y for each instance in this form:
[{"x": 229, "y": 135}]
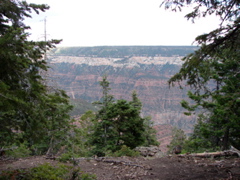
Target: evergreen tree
[
  {"x": 119, "y": 123},
  {"x": 201, "y": 140},
  {"x": 28, "y": 110},
  {"x": 78, "y": 139},
  {"x": 136, "y": 103},
  {"x": 102, "y": 125},
  {"x": 213, "y": 72},
  {"x": 149, "y": 133},
  {"x": 124, "y": 127},
  {"x": 178, "y": 139},
  {"x": 127, "y": 123}
]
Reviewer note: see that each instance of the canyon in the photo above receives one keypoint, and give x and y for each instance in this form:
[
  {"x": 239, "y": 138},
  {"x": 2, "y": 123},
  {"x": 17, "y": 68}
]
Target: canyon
[{"x": 147, "y": 71}]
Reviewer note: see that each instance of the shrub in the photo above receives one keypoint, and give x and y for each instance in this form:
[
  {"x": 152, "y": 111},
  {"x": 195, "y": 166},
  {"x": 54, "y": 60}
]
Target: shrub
[
  {"x": 21, "y": 151},
  {"x": 126, "y": 151},
  {"x": 47, "y": 172},
  {"x": 67, "y": 157},
  {"x": 13, "y": 175}
]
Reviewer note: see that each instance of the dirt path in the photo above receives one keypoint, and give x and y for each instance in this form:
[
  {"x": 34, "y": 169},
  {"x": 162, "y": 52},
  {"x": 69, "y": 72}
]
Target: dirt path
[{"x": 143, "y": 169}]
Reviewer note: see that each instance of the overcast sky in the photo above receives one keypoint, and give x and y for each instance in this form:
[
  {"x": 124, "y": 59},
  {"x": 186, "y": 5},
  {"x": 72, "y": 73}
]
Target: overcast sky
[{"x": 115, "y": 22}]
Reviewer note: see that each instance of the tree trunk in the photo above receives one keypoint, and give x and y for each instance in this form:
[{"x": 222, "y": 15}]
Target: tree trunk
[{"x": 225, "y": 139}]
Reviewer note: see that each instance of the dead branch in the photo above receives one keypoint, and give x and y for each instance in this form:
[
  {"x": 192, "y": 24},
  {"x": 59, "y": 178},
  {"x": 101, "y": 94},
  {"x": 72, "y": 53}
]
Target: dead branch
[
  {"x": 127, "y": 163},
  {"x": 213, "y": 154},
  {"x": 233, "y": 149},
  {"x": 52, "y": 158}
]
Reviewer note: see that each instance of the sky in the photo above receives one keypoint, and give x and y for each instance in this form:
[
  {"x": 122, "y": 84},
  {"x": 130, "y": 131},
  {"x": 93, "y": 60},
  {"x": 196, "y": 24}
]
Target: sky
[{"x": 115, "y": 23}]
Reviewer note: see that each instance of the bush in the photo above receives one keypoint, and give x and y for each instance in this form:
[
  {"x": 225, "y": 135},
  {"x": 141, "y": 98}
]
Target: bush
[
  {"x": 68, "y": 157},
  {"x": 19, "y": 152},
  {"x": 13, "y": 175},
  {"x": 198, "y": 145},
  {"x": 126, "y": 151},
  {"x": 47, "y": 172}
]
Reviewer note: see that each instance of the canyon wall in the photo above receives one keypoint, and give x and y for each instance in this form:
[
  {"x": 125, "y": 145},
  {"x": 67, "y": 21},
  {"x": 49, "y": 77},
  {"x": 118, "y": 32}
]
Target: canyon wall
[{"x": 79, "y": 76}]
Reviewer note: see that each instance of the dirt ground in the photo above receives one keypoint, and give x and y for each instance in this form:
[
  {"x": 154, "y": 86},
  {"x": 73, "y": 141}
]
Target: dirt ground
[{"x": 165, "y": 168}]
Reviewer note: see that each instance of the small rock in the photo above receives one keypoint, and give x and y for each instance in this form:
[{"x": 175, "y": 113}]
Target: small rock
[{"x": 148, "y": 151}]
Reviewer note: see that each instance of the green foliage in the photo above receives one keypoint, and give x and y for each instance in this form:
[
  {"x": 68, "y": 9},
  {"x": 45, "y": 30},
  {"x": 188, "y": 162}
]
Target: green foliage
[
  {"x": 28, "y": 106},
  {"x": 67, "y": 157},
  {"x": 48, "y": 172},
  {"x": 197, "y": 145},
  {"x": 21, "y": 151},
  {"x": 83, "y": 133},
  {"x": 202, "y": 139},
  {"x": 136, "y": 103},
  {"x": 58, "y": 125},
  {"x": 213, "y": 73},
  {"x": 86, "y": 176},
  {"x": 125, "y": 151},
  {"x": 149, "y": 133},
  {"x": 226, "y": 10},
  {"x": 118, "y": 123},
  {"x": 76, "y": 143},
  {"x": 122, "y": 126},
  {"x": 178, "y": 139},
  {"x": 14, "y": 175}
]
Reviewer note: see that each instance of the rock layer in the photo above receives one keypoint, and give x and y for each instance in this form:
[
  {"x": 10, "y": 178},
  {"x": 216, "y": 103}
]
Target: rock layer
[{"x": 80, "y": 77}]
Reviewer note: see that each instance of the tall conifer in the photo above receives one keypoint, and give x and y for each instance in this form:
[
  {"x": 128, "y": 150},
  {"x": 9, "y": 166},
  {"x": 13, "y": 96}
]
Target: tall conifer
[
  {"x": 213, "y": 71},
  {"x": 28, "y": 110}
]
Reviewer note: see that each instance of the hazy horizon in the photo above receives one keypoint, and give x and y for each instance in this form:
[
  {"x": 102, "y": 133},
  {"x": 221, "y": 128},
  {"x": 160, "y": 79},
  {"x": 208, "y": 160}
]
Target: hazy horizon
[{"x": 116, "y": 23}]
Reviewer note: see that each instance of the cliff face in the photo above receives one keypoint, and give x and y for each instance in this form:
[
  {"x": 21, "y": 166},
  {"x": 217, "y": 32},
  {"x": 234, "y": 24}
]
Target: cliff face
[{"x": 80, "y": 77}]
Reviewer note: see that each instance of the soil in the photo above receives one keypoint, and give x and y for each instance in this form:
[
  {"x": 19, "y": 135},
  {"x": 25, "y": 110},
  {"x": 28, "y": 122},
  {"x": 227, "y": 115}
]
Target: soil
[{"x": 165, "y": 168}]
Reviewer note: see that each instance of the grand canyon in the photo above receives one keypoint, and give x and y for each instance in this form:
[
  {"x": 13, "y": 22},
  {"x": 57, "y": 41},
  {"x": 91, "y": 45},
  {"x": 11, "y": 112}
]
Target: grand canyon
[{"x": 146, "y": 69}]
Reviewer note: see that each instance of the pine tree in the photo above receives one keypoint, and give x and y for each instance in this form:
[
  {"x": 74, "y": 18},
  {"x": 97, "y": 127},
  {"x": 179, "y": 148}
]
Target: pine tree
[
  {"x": 178, "y": 139},
  {"x": 102, "y": 125},
  {"x": 119, "y": 123},
  {"x": 27, "y": 109},
  {"x": 136, "y": 103},
  {"x": 128, "y": 124},
  {"x": 213, "y": 72},
  {"x": 149, "y": 134}
]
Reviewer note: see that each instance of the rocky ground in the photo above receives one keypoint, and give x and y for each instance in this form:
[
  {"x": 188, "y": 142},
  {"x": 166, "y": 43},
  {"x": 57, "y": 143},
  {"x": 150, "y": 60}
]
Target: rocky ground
[{"x": 144, "y": 168}]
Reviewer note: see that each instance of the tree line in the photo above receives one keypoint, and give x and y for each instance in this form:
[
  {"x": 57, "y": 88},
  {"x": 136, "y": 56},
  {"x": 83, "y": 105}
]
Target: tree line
[
  {"x": 30, "y": 111},
  {"x": 125, "y": 51}
]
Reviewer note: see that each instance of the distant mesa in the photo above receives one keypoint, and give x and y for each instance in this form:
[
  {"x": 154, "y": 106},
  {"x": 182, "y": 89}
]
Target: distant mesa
[
  {"x": 119, "y": 56},
  {"x": 145, "y": 69},
  {"x": 125, "y": 51}
]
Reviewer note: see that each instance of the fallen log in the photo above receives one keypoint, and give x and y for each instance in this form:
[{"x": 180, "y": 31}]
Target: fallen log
[
  {"x": 127, "y": 163},
  {"x": 233, "y": 149},
  {"x": 212, "y": 154}
]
